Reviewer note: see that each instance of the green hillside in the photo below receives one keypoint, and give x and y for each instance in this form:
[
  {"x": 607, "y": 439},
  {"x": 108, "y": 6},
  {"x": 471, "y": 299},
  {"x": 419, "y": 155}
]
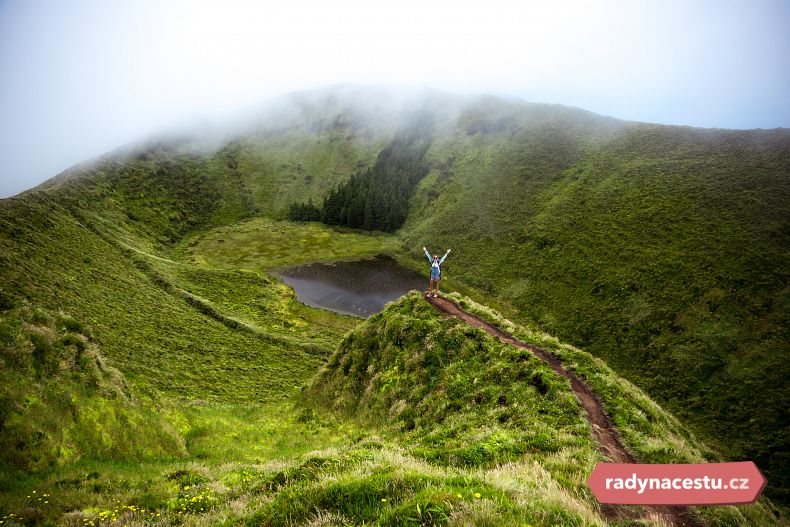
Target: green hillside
[
  {"x": 455, "y": 396},
  {"x": 123, "y": 368},
  {"x": 663, "y": 250},
  {"x": 154, "y": 372}
]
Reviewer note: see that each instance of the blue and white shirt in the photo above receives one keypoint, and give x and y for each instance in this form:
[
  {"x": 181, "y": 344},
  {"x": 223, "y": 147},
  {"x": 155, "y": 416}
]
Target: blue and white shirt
[{"x": 436, "y": 265}]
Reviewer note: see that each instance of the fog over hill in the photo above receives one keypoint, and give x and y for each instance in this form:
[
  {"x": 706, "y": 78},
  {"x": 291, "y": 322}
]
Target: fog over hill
[{"x": 663, "y": 250}]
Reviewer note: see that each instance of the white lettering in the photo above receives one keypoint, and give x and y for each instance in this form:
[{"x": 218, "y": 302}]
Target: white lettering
[{"x": 642, "y": 484}]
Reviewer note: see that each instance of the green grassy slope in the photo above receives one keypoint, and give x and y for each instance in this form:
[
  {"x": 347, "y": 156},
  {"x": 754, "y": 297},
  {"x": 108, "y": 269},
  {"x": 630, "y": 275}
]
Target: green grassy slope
[
  {"x": 61, "y": 401},
  {"x": 300, "y": 165},
  {"x": 155, "y": 336},
  {"x": 94, "y": 247},
  {"x": 96, "y": 242},
  {"x": 662, "y": 249},
  {"x": 304, "y": 144},
  {"x": 458, "y": 398}
]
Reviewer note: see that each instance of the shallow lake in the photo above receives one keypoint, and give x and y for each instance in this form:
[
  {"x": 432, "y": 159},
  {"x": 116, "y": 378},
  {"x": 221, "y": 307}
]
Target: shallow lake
[{"x": 359, "y": 288}]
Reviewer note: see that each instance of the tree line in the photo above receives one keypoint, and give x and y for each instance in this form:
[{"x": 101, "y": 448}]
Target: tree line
[{"x": 377, "y": 198}]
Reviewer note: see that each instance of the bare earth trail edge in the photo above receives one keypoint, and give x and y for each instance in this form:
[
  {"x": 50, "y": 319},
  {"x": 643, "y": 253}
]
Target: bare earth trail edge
[{"x": 606, "y": 435}]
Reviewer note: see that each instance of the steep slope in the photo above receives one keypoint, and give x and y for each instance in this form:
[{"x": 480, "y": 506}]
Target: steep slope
[
  {"x": 61, "y": 401},
  {"x": 94, "y": 244},
  {"x": 662, "y": 249},
  {"x": 144, "y": 325},
  {"x": 459, "y": 398},
  {"x": 95, "y": 332}
]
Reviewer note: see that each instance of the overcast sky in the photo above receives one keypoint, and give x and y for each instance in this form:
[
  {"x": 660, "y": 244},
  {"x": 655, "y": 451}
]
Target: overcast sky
[{"x": 81, "y": 77}]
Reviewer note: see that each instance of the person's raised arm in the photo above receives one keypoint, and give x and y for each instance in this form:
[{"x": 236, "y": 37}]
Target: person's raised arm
[
  {"x": 427, "y": 254},
  {"x": 445, "y": 256}
]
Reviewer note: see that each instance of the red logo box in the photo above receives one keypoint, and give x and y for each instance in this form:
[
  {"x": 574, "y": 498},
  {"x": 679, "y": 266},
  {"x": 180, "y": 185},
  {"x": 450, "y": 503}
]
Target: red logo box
[{"x": 703, "y": 484}]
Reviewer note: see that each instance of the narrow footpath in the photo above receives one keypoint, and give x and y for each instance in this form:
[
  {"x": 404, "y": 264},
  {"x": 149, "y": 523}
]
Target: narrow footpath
[{"x": 606, "y": 435}]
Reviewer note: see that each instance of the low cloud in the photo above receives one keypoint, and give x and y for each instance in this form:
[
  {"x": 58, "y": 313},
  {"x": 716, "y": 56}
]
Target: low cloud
[{"x": 81, "y": 78}]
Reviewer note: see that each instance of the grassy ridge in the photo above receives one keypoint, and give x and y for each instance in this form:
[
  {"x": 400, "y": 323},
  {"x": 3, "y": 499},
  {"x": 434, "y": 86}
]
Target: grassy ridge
[
  {"x": 456, "y": 397},
  {"x": 251, "y": 464},
  {"x": 660, "y": 249},
  {"x": 155, "y": 193},
  {"x": 649, "y": 432},
  {"x": 648, "y": 245},
  {"x": 61, "y": 401},
  {"x": 466, "y": 398},
  {"x": 154, "y": 337}
]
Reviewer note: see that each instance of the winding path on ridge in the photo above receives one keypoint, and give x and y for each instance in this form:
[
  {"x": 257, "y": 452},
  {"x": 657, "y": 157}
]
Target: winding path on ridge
[{"x": 606, "y": 435}]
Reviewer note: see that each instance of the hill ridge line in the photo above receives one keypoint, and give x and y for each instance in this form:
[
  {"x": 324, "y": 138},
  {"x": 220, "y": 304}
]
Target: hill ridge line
[
  {"x": 606, "y": 435},
  {"x": 137, "y": 257}
]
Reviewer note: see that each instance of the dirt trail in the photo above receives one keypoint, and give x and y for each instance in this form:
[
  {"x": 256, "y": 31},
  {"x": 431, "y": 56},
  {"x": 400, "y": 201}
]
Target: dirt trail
[{"x": 606, "y": 435}]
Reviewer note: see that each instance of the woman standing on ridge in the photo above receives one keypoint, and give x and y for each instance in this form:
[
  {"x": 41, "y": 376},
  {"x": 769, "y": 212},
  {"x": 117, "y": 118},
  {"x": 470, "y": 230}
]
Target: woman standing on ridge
[{"x": 436, "y": 271}]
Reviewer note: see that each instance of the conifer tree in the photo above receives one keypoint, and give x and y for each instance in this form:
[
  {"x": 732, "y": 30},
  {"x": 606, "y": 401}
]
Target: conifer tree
[{"x": 377, "y": 198}]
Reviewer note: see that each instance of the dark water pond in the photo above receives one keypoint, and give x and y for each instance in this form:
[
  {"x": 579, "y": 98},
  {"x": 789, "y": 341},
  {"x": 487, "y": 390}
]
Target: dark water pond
[{"x": 359, "y": 288}]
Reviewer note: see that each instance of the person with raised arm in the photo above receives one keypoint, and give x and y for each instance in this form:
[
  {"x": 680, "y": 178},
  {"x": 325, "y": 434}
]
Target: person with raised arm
[{"x": 436, "y": 271}]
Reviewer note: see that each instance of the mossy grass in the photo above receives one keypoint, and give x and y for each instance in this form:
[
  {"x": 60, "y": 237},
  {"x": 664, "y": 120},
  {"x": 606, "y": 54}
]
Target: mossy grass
[
  {"x": 263, "y": 244},
  {"x": 111, "y": 349},
  {"x": 142, "y": 356},
  {"x": 651, "y": 433},
  {"x": 662, "y": 250},
  {"x": 457, "y": 397}
]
